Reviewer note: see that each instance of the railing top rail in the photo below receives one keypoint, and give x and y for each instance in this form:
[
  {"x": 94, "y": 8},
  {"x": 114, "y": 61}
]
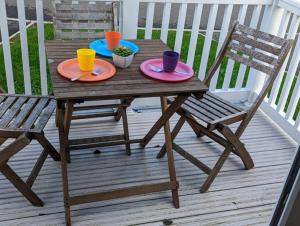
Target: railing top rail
[
  {"x": 290, "y": 5},
  {"x": 221, "y": 2}
]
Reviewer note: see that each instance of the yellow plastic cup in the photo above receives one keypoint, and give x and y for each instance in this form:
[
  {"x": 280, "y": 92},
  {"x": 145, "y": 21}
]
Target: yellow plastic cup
[{"x": 86, "y": 59}]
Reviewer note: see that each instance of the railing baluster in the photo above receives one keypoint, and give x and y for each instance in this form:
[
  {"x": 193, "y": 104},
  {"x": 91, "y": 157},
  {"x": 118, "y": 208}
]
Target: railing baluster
[
  {"x": 194, "y": 34},
  {"x": 208, "y": 40},
  {"x": 149, "y": 20},
  {"x": 230, "y": 64},
  {"x": 165, "y": 22},
  {"x": 254, "y": 23},
  {"x": 24, "y": 46},
  {"x": 243, "y": 67},
  {"x": 297, "y": 123},
  {"x": 41, "y": 40},
  {"x": 281, "y": 33},
  {"x": 6, "y": 49},
  {"x": 292, "y": 67},
  {"x": 180, "y": 27},
  {"x": 224, "y": 31},
  {"x": 294, "y": 101}
]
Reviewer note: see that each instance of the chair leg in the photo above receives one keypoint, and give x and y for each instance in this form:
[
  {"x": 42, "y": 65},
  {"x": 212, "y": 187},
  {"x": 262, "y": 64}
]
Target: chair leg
[
  {"x": 67, "y": 124},
  {"x": 56, "y": 118},
  {"x": 21, "y": 185},
  {"x": 118, "y": 114},
  {"x": 239, "y": 147},
  {"x": 126, "y": 130},
  {"x": 214, "y": 172},
  {"x": 47, "y": 146},
  {"x": 195, "y": 129},
  {"x": 174, "y": 134},
  {"x": 37, "y": 168}
]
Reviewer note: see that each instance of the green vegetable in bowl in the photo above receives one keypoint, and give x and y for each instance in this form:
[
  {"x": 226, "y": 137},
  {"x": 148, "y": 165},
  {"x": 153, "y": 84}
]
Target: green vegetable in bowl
[{"x": 122, "y": 51}]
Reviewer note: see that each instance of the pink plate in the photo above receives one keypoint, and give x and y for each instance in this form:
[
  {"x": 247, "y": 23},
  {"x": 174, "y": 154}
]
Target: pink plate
[{"x": 166, "y": 76}]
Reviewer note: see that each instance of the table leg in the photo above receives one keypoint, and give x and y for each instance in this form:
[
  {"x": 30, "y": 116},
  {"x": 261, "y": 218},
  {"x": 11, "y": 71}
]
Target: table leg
[
  {"x": 63, "y": 139},
  {"x": 169, "y": 150},
  {"x": 168, "y": 113},
  {"x": 67, "y": 123}
]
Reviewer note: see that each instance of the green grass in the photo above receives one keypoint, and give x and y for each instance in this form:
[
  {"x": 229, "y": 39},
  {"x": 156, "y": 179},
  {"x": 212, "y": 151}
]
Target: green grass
[
  {"x": 33, "y": 61},
  {"x": 49, "y": 35}
]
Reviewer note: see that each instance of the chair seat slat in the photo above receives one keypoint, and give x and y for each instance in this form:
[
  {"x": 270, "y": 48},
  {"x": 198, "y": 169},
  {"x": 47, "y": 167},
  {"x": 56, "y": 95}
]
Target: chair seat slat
[
  {"x": 203, "y": 111},
  {"x": 216, "y": 107},
  {"x": 11, "y": 112},
  {"x": 222, "y": 103},
  {"x": 45, "y": 116},
  {"x": 35, "y": 113},
  {"x": 20, "y": 118},
  {"x": 206, "y": 107},
  {"x": 196, "y": 113},
  {"x": 6, "y": 104}
]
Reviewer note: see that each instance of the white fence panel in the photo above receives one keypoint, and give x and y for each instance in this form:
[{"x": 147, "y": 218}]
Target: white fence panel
[
  {"x": 208, "y": 39},
  {"x": 224, "y": 30},
  {"x": 291, "y": 35},
  {"x": 24, "y": 46},
  {"x": 165, "y": 22},
  {"x": 281, "y": 33},
  {"x": 41, "y": 40},
  {"x": 290, "y": 73},
  {"x": 194, "y": 34},
  {"x": 180, "y": 27},
  {"x": 149, "y": 20},
  {"x": 243, "y": 67},
  {"x": 230, "y": 64},
  {"x": 6, "y": 48},
  {"x": 294, "y": 101}
]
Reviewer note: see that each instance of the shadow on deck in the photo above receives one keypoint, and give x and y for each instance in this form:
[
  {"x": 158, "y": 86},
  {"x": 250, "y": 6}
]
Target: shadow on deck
[{"x": 237, "y": 197}]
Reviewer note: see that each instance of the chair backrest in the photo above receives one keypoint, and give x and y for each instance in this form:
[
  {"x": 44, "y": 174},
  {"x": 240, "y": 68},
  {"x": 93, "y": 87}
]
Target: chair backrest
[
  {"x": 258, "y": 50},
  {"x": 83, "y": 19}
]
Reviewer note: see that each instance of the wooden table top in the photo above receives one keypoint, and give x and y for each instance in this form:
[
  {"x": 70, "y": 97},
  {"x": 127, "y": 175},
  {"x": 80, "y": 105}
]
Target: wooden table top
[{"x": 129, "y": 82}]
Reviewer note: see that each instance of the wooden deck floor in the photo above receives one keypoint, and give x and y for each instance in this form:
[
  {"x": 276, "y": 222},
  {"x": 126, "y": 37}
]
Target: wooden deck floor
[{"x": 237, "y": 197}]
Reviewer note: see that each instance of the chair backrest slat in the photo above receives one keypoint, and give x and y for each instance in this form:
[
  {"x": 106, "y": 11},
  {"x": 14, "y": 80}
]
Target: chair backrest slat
[
  {"x": 256, "y": 44},
  {"x": 259, "y": 34},
  {"x": 252, "y": 53},
  {"x": 83, "y": 19},
  {"x": 250, "y": 62}
]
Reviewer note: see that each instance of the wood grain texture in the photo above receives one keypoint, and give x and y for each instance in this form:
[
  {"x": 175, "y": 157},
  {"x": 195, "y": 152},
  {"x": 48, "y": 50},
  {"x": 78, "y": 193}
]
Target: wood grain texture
[
  {"x": 128, "y": 82},
  {"x": 198, "y": 113},
  {"x": 83, "y": 19},
  {"x": 24, "y": 119}
]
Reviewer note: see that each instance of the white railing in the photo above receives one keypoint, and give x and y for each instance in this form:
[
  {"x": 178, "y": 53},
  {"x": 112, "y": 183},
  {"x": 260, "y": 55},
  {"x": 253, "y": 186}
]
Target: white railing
[
  {"x": 281, "y": 18},
  {"x": 281, "y": 105}
]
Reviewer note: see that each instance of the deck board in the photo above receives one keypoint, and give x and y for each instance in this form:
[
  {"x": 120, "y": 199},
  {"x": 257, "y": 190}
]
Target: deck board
[{"x": 237, "y": 197}]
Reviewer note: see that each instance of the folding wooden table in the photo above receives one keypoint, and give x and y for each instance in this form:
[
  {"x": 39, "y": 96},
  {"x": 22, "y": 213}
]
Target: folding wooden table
[{"x": 128, "y": 83}]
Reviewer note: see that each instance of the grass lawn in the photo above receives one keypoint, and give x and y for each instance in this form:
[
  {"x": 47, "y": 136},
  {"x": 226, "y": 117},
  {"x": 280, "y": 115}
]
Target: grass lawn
[{"x": 35, "y": 71}]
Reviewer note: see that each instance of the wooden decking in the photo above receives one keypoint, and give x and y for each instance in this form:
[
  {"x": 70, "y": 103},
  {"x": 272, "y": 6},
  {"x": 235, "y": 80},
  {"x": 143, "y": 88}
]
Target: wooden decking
[{"x": 237, "y": 197}]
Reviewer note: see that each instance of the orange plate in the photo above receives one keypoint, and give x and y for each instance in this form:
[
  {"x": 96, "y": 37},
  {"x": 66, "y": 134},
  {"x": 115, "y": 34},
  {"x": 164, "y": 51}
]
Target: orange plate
[{"x": 70, "y": 69}]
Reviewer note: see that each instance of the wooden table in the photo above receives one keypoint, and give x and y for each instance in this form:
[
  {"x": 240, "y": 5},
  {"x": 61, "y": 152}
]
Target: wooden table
[{"x": 128, "y": 83}]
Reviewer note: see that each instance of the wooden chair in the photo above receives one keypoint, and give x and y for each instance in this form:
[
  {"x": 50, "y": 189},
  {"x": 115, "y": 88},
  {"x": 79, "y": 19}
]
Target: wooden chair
[
  {"x": 23, "y": 118},
  {"x": 89, "y": 20},
  {"x": 83, "y": 19},
  {"x": 210, "y": 113}
]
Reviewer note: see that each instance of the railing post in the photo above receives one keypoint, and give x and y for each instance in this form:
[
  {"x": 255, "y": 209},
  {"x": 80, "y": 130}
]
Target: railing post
[
  {"x": 130, "y": 13},
  {"x": 270, "y": 24}
]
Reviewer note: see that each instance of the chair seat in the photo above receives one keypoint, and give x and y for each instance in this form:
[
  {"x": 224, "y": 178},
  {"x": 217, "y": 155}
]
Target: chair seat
[
  {"x": 25, "y": 113},
  {"x": 212, "y": 109}
]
